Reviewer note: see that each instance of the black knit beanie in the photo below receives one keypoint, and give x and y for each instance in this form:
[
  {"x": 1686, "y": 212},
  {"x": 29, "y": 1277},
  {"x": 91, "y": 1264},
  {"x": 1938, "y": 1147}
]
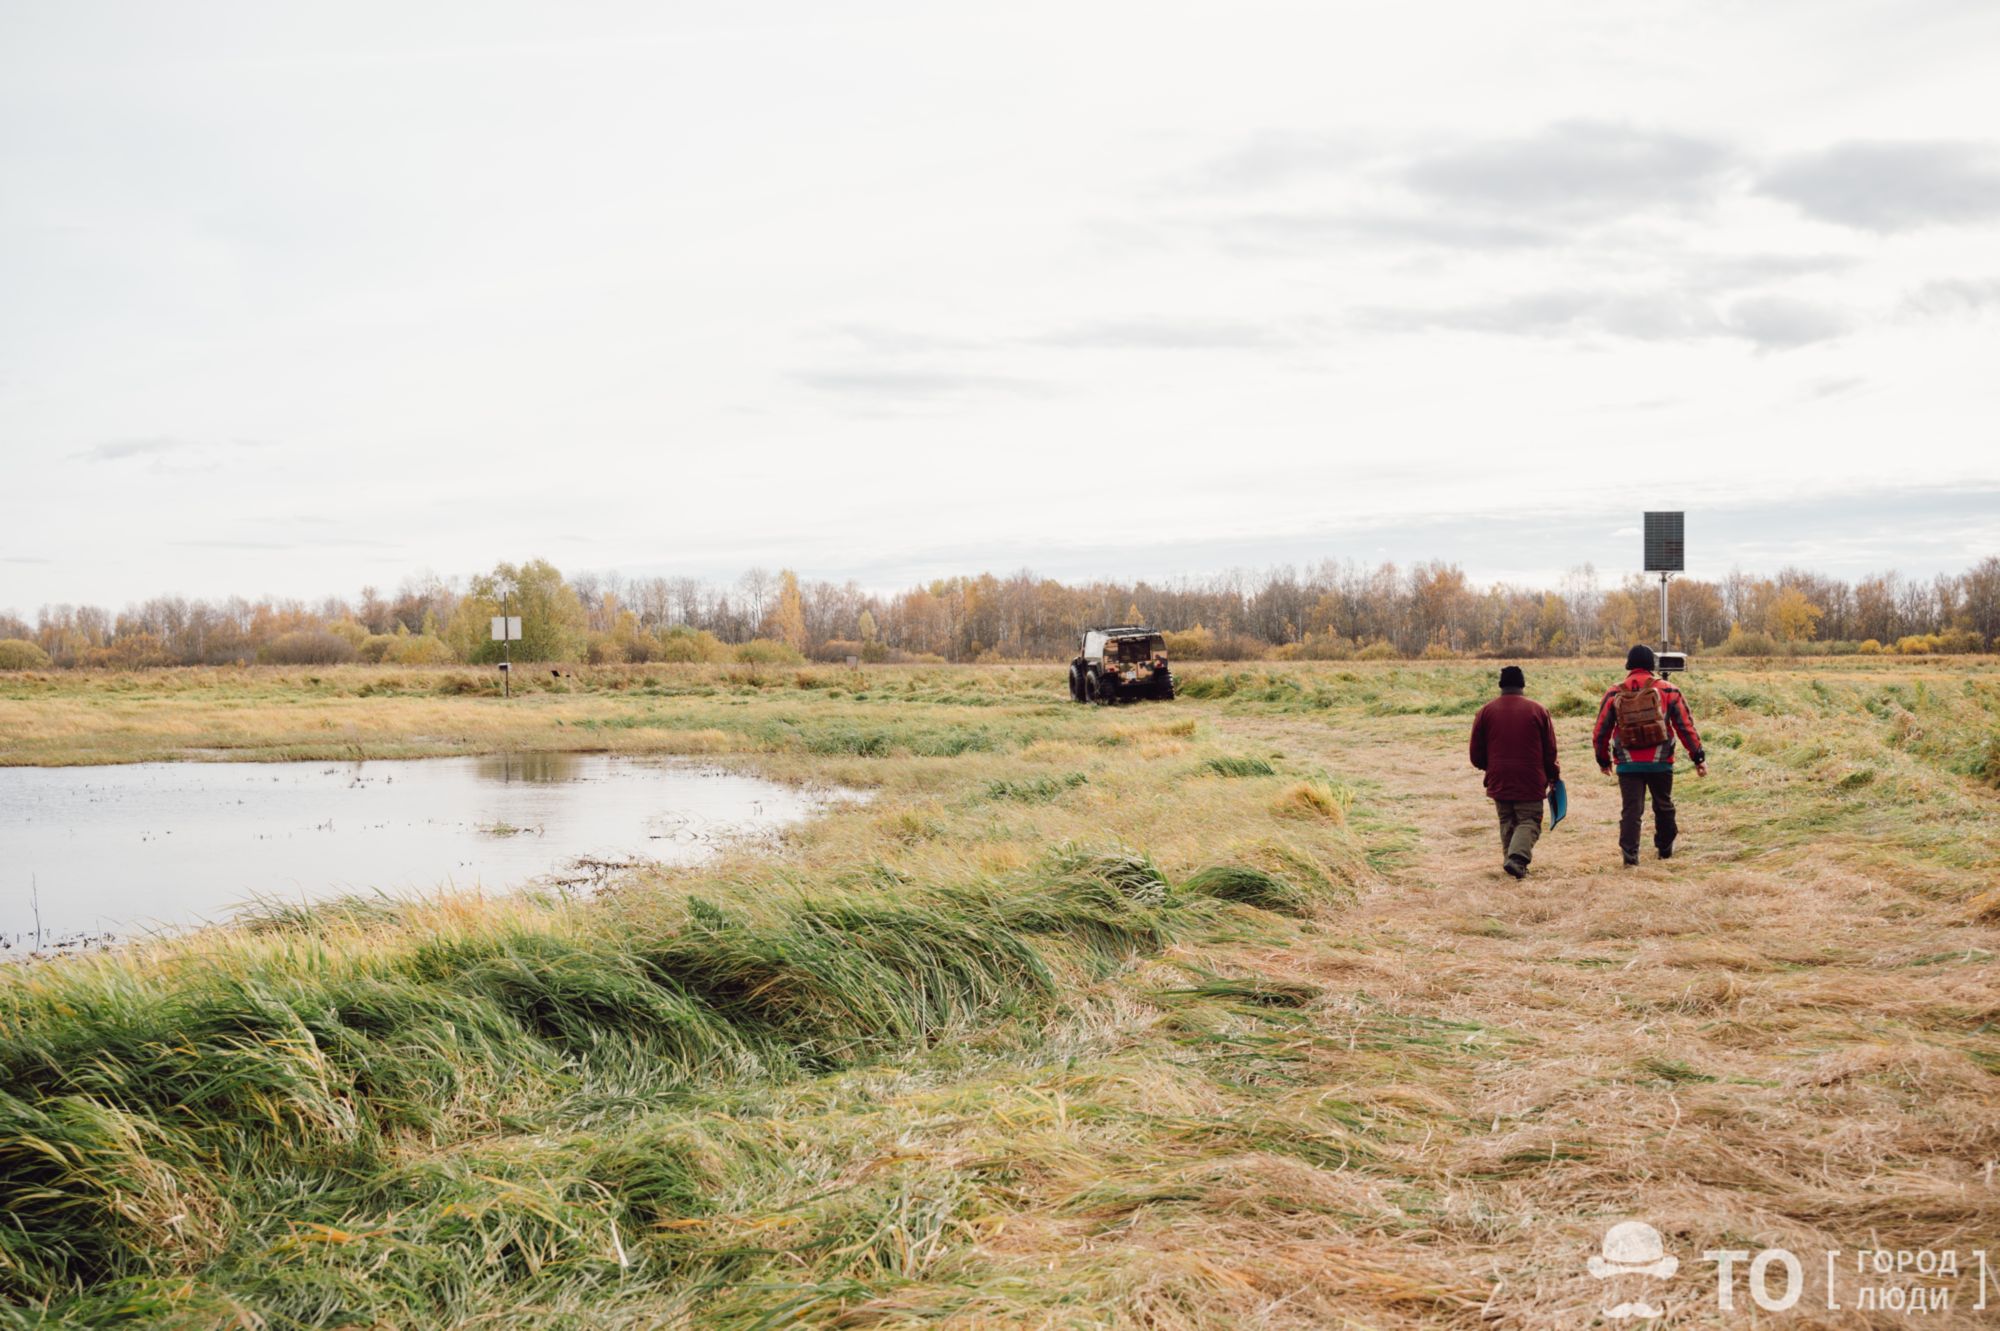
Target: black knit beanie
[
  {"x": 1512, "y": 678},
  {"x": 1640, "y": 658}
]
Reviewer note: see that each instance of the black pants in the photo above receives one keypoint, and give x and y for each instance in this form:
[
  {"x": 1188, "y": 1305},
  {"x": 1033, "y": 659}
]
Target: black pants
[{"x": 1633, "y": 787}]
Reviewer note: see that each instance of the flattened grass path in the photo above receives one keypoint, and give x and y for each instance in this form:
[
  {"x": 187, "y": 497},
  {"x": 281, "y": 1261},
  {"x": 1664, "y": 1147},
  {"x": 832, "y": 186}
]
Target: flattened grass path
[{"x": 1795, "y": 1051}]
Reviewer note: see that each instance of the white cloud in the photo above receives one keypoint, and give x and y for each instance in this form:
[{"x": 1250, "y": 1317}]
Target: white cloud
[
  {"x": 1956, "y": 296},
  {"x": 1887, "y": 187},
  {"x": 1780, "y": 322},
  {"x": 1772, "y": 322},
  {"x": 1577, "y": 170},
  {"x": 900, "y": 278}
]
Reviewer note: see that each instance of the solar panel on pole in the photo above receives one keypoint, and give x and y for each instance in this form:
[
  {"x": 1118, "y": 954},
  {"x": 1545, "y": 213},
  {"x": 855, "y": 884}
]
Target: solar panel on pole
[{"x": 1666, "y": 542}]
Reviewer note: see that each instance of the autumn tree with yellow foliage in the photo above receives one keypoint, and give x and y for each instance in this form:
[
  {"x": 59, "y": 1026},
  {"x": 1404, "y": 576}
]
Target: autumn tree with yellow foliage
[
  {"x": 787, "y": 620},
  {"x": 1791, "y": 617}
]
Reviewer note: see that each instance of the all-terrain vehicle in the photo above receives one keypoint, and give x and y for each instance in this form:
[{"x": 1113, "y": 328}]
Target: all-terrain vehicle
[{"x": 1119, "y": 663}]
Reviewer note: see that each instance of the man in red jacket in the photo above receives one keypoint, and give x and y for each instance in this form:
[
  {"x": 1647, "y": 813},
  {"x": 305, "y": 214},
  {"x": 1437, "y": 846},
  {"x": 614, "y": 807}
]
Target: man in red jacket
[
  {"x": 1514, "y": 743},
  {"x": 1637, "y": 736}
]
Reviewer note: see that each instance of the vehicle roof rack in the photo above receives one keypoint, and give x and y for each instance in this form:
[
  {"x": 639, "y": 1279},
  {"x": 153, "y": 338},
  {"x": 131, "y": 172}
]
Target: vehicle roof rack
[{"x": 1121, "y": 628}]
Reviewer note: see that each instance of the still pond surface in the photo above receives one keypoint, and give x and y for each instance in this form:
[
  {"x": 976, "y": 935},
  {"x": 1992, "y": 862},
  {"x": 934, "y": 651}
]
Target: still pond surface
[{"x": 124, "y": 850}]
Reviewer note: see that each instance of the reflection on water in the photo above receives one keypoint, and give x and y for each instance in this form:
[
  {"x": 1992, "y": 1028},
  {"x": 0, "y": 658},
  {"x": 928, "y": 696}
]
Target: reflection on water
[
  {"x": 92, "y": 850},
  {"x": 539, "y": 767}
]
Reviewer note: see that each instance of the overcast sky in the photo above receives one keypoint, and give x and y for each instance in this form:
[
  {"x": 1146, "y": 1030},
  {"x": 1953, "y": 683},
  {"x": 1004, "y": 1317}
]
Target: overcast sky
[{"x": 299, "y": 297}]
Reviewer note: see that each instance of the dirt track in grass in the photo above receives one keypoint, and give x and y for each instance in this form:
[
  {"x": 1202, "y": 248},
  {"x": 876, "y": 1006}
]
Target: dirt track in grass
[{"x": 1793, "y": 1055}]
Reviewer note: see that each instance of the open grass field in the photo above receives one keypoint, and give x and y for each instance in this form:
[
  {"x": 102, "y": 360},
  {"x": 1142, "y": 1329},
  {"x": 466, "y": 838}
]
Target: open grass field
[{"x": 1217, "y": 1013}]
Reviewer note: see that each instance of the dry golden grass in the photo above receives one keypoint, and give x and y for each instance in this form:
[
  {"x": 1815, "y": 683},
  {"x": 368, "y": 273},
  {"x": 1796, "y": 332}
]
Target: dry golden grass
[{"x": 1417, "y": 1102}]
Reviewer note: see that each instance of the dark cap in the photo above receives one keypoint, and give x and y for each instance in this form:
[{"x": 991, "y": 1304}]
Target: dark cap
[
  {"x": 1641, "y": 658},
  {"x": 1511, "y": 677}
]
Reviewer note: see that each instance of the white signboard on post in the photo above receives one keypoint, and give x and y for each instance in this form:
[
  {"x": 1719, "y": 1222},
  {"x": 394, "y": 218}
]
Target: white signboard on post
[{"x": 506, "y": 628}]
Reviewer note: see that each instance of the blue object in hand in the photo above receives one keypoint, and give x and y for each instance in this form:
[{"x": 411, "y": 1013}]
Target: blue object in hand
[{"x": 1558, "y": 804}]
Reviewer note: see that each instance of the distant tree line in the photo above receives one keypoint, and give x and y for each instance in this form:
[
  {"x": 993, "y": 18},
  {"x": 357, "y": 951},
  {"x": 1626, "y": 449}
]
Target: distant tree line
[{"x": 1328, "y": 611}]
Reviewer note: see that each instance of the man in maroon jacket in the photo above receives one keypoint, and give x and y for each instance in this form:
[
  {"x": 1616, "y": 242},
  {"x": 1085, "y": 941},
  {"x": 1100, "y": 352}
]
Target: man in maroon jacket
[{"x": 1514, "y": 743}]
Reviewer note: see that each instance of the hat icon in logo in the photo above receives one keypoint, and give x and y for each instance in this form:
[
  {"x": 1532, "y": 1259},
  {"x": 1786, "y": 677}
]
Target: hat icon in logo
[{"x": 1634, "y": 1248}]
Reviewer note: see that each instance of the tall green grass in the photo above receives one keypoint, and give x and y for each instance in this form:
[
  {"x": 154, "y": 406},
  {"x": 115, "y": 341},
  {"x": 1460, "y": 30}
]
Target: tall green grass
[
  {"x": 341, "y": 1118},
  {"x": 1232, "y": 765},
  {"x": 1251, "y": 886}
]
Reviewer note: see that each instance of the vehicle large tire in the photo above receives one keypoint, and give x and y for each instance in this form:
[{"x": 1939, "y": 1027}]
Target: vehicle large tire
[
  {"x": 1075, "y": 682},
  {"x": 1163, "y": 687},
  {"x": 1093, "y": 690}
]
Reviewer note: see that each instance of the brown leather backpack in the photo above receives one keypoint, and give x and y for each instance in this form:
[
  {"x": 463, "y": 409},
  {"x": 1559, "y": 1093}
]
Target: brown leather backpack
[{"x": 1642, "y": 721}]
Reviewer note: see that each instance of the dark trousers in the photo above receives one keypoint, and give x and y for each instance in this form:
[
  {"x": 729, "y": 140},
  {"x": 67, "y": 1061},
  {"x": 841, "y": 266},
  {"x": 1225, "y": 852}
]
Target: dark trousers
[
  {"x": 1633, "y": 787},
  {"x": 1520, "y": 828}
]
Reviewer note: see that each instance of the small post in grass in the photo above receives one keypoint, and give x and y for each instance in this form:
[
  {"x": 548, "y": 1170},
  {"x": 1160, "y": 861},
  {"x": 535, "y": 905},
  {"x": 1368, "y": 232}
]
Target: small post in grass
[{"x": 506, "y": 632}]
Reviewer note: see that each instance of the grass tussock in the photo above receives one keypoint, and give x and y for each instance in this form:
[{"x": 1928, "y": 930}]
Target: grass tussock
[
  {"x": 1035, "y": 790},
  {"x": 1314, "y": 798},
  {"x": 1238, "y": 766},
  {"x": 1249, "y": 886}
]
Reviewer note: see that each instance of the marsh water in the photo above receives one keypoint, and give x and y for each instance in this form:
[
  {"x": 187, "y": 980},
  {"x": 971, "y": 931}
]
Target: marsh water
[{"x": 90, "y": 853}]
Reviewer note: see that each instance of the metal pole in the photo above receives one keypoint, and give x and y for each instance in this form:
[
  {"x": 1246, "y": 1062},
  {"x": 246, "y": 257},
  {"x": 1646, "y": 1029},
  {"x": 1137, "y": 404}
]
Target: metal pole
[
  {"x": 507, "y": 642},
  {"x": 1664, "y": 642}
]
